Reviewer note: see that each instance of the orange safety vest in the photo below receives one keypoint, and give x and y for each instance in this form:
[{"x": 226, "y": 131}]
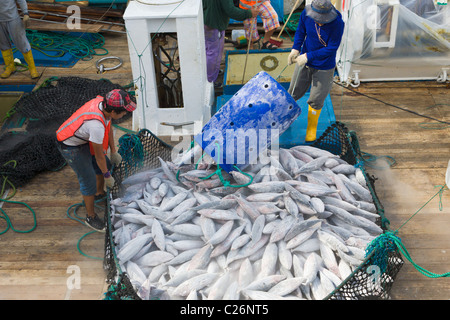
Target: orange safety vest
[{"x": 89, "y": 111}]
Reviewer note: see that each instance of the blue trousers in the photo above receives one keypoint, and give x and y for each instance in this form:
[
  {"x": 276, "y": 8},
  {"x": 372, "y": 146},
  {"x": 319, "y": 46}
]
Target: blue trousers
[{"x": 79, "y": 158}]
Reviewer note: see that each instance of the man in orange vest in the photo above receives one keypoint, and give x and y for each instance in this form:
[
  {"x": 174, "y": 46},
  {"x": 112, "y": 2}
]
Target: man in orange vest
[{"x": 88, "y": 133}]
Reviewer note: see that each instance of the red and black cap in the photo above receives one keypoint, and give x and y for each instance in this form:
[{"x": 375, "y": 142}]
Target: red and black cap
[{"x": 120, "y": 98}]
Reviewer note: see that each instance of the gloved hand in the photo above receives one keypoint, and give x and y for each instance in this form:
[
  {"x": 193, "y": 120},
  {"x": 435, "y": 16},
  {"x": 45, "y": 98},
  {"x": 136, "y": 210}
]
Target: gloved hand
[
  {"x": 116, "y": 158},
  {"x": 294, "y": 54},
  {"x": 301, "y": 60},
  {"x": 109, "y": 182},
  {"x": 26, "y": 21}
]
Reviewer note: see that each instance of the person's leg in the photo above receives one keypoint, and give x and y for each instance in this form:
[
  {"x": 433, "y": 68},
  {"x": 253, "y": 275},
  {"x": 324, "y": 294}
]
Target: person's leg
[
  {"x": 100, "y": 180},
  {"x": 322, "y": 80},
  {"x": 6, "y": 49},
  {"x": 270, "y": 22},
  {"x": 213, "y": 52},
  {"x": 251, "y": 31},
  {"x": 19, "y": 38},
  {"x": 80, "y": 160},
  {"x": 89, "y": 205},
  {"x": 300, "y": 82}
]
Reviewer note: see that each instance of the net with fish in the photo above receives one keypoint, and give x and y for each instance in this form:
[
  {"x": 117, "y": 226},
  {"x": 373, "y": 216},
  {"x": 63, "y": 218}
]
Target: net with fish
[
  {"x": 373, "y": 279},
  {"x": 28, "y": 138},
  {"x": 152, "y": 147}
]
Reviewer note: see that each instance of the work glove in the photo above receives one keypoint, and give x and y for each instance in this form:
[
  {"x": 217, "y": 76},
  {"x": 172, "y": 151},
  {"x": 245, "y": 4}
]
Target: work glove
[
  {"x": 116, "y": 158},
  {"x": 26, "y": 21},
  {"x": 109, "y": 182},
  {"x": 294, "y": 54},
  {"x": 301, "y": 60}
]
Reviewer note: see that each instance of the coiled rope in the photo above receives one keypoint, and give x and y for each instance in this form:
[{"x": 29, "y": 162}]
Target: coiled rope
[
  {"x": 83, "y": 47},
  {"x": 3, "y": 215}
]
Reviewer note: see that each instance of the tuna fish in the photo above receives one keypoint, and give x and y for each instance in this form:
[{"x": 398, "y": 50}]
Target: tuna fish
[{"x": 296, "y": 232}]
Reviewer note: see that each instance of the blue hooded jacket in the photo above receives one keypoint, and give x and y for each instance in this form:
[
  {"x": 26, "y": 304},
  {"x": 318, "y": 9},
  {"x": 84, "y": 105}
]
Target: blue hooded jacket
[{"x": 307, "y": 41}]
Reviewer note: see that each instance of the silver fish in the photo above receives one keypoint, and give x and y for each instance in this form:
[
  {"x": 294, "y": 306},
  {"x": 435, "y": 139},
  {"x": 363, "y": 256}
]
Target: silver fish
[
  {"x": 265, "y": 283},
  {"x": 220, "y": 235},
  {"x": 167, "y": 171},
  {"x": 286, "y": 286},
  {"x": 195, "y": 283},
  {"x": 296, "y": 232},
  {"x": 132, "y": 247},
  {"x": 154, "y": 258}
]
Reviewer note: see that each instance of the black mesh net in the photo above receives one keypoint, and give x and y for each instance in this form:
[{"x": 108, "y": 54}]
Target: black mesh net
[
  {"x": 368, "y": 281},
  {"x": 28, "y": 138},
  {"x": 133, "y": 161}
]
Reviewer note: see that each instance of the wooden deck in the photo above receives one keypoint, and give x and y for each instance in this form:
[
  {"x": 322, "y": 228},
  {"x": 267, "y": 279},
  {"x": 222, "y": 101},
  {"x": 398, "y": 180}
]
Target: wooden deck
[{"x": 37, "y": 265}]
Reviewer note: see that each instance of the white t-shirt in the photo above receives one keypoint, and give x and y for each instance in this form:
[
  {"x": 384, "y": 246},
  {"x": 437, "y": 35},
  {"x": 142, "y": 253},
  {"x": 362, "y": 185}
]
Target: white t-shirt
[{"x": 91, "y": 130}]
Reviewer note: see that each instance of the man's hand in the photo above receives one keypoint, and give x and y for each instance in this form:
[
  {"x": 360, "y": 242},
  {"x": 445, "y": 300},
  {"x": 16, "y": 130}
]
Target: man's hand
[
  {"x": 116, "y": 158},
  {"x": 26, "y": 21},
  {"x": 109, "y": 181},
  {"x": 294, "y": 54},
  {"x": 301, "y": 60}
]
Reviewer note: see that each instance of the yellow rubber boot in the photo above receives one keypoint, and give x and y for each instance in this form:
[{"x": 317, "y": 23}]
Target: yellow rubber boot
[
  {"x": 30, "y": 62},
  {"x": 313, "y": 119},
  {"x": 9, "y": 63}
]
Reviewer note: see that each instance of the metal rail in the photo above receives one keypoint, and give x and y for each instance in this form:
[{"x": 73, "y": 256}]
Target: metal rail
[{"x": 88, "y": 21}]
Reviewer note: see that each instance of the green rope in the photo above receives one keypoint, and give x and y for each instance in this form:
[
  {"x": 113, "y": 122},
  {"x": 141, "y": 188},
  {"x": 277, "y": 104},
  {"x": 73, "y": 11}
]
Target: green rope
[
  {"x": 227, "y": 183},
  {"x": 218, "y": 172},
  {"x": 61, "y": 43},
  {"x": 292, "y": 23},
  {"x": 367, "y": 159},
  {"x": 81, "y": 220},
  {"x": 438, "y": 193},
  {"x": 388, "y": 242},
  {"x": 3, "y": 215},
  {"x": 58, "y": 44},
  {"x": 130, "y": 148},
  {"x": 379, "y": 249}
]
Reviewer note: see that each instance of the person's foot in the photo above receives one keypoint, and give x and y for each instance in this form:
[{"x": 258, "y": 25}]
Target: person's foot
[
  {"x": 95, "y": 223},
  {"x": 100, "y": 197},
  {"x": 268, "y": 45}
]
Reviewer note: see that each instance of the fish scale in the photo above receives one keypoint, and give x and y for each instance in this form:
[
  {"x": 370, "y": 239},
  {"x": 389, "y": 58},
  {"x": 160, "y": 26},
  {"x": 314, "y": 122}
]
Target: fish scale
[{"x": 210, "y": 241}]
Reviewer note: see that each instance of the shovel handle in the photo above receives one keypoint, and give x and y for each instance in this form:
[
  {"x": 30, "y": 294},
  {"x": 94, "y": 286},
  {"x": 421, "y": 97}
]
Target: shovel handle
[{"x": 289, "y": 17}]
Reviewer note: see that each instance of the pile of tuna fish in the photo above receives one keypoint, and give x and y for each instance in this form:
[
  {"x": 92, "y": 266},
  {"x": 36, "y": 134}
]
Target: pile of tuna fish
[{"x": 295, "y": 232}]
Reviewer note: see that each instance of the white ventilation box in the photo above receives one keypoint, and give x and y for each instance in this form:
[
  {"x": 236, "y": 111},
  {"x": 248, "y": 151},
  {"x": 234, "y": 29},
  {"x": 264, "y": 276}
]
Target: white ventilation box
[{"x": 167, "y": 52}]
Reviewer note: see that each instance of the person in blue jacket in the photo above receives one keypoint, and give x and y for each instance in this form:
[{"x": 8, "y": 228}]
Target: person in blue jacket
[{"x": 317, "y": 38}]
